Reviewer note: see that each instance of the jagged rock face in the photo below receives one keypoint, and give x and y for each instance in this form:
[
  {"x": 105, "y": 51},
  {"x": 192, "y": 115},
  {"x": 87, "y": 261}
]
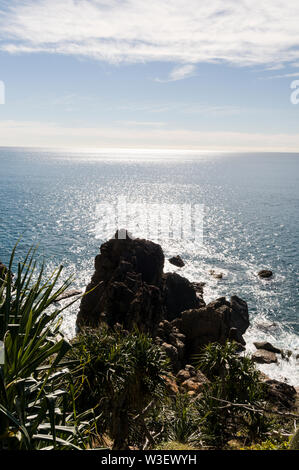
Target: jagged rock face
[
  {"x": 129, "y": 287},
  {"x": 173, "y": 342},
  {"x": 126, "y": 285},
  {"x": 239, "y": 314},
  {"x": 180, "y": 295}
]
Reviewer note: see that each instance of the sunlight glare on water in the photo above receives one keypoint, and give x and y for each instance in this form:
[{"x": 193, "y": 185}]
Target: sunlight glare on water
[{"x": 250, "y": 222}]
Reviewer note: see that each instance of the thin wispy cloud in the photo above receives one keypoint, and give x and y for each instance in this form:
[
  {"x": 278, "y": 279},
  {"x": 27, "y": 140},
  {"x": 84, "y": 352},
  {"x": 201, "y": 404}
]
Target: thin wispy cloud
[
  {"x": 241, "y": 33},
  {"x": 284, "y": 75},
  {"x": 179, "y": 73}
]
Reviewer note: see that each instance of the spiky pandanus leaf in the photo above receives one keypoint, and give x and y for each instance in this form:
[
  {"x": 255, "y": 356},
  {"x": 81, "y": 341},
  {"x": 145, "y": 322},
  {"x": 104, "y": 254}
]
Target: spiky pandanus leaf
[{"x": 33, "y": 408}]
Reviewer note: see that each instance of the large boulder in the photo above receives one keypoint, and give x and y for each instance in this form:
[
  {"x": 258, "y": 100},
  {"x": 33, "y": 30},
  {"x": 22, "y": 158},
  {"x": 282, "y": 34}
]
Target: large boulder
[
  {"x": 213, "y": 323},
  {"x": 262, "y": 356},
  {"x": 279, "y": 393},
  {"x": 267, "y": 347}
]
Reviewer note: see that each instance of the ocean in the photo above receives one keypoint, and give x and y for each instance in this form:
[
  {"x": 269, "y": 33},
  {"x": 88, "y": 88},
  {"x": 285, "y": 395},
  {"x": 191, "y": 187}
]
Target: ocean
[{"x": 54, "y": 198}]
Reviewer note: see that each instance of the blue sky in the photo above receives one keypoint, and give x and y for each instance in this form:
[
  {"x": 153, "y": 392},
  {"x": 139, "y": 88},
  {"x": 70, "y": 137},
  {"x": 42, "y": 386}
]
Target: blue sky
[{"x": 199, "y": 75}]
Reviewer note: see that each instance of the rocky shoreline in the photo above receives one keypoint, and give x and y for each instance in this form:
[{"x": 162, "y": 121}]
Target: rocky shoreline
[{"x": 129, "y": 289}]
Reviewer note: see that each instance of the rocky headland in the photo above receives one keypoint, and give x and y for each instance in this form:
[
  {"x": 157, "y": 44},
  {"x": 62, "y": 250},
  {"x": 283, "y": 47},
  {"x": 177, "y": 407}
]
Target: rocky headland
[{"x": 130, "y": 289}]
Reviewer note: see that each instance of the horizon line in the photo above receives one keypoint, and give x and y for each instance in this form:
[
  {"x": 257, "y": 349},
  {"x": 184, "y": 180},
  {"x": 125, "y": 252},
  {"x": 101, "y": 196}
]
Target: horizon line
[{"x": 150, "y": 149}]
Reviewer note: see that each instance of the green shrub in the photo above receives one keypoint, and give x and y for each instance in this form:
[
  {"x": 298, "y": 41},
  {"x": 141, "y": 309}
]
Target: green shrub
[
  {"x": 229, "y": 405},
  {"x": 119, "y": 374}
]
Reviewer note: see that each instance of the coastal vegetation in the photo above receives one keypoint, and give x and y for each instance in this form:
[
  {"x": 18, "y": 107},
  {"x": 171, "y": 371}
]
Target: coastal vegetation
[{"x": 115, "y": 387}]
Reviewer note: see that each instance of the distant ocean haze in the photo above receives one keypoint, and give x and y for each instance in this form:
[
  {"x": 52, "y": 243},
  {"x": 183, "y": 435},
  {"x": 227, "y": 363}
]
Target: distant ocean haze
[{"x": 250, "y": 222}]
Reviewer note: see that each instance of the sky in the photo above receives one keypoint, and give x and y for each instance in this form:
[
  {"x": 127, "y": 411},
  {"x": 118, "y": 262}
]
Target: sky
[{"x": 196, "y": 74}]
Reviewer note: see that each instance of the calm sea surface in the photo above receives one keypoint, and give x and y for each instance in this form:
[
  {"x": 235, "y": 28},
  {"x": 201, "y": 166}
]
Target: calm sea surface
[{"x": 51, "y": 198}]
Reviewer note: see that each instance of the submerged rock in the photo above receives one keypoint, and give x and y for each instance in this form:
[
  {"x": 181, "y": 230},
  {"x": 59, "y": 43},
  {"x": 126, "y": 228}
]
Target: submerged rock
[
  {"x": 265, "y": 273},
  {"x": 216, "y": 275},
  {"x": 177, "y": 261}
]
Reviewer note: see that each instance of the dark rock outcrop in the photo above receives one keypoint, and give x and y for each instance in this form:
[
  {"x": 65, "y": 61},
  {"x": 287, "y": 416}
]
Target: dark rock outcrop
[
  {"x": 239, "y": 315},
  {"x": 177, "y": 261},
  {"x": 198, "y": 286},
  {"x": 129, "y": 288},
  {"x": 126, "y": 285},
  {"x": 281, "y": 394},
  {"x": 234, "y": 335}
]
